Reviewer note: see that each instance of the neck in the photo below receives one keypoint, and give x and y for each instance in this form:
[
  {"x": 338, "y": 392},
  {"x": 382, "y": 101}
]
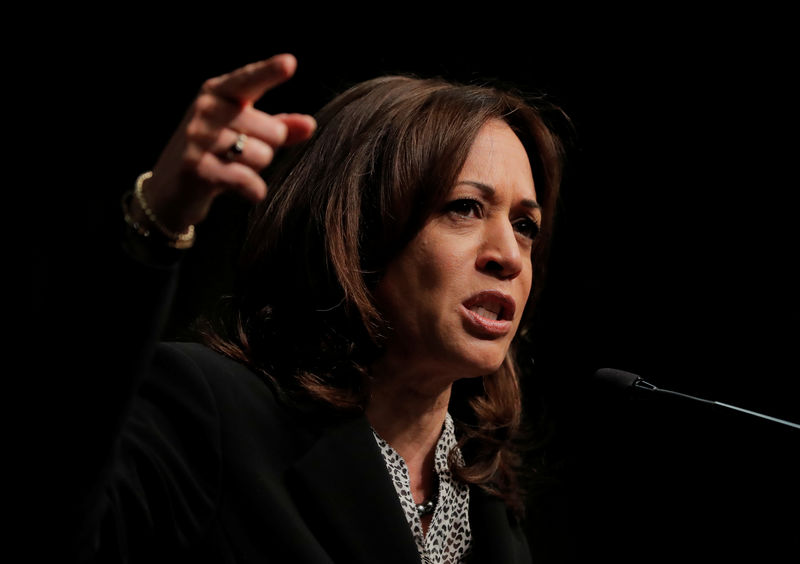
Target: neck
[
  {"x": 408, "y": 412},
  {"x": 410, "y": 422}
]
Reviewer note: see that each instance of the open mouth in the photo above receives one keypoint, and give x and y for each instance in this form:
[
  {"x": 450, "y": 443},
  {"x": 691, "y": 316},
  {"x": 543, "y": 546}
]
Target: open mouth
[
  {"x": 487, "y": 313},
  {"x": 490, "y": 310},
  {"x": 491, "y": 305}
]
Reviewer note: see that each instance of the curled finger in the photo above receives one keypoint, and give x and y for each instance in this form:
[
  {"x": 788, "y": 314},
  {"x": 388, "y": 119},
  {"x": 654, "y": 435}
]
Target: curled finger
[
  {"x": 255, "y": 123},
  {"x": 300, "y": 126},
  {"x": 234, "y": 146},
  {"x": 227, "y": 176}
]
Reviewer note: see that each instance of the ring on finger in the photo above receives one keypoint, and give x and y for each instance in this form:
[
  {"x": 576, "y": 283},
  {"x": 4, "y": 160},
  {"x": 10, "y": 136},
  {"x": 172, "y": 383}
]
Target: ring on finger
[{"x": 237, "y": 148}]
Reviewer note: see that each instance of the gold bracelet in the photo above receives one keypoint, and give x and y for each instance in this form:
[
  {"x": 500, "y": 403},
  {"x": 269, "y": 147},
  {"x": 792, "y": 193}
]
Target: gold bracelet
[
  {"x": 126, "y": 213},
  {"x": 176, "y": 240}
]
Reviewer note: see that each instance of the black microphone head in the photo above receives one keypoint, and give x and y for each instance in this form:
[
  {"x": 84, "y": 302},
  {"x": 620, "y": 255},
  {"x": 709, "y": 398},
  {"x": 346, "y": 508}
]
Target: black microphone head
[{"x": 616, "y": 379}]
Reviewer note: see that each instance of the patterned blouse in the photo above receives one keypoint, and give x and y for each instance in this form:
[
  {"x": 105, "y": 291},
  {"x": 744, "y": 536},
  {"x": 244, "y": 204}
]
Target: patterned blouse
[{"x": 448, "y": 540}]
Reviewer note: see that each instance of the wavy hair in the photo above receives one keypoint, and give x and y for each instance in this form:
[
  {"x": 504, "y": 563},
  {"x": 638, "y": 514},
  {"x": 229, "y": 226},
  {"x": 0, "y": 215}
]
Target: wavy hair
[{"x": 340, "y": 207}]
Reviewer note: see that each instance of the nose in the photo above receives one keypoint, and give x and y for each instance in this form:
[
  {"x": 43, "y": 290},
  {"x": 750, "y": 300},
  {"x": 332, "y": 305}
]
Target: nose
[{"x": 500, "y": 254}]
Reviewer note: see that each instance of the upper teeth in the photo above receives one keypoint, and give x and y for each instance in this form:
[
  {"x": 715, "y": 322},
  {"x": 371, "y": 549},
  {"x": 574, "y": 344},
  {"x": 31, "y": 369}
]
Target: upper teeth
[{"x": 483, "y": 312}]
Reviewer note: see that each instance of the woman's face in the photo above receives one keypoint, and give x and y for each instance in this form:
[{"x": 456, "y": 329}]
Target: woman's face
[{"x": 455, "y": 295}]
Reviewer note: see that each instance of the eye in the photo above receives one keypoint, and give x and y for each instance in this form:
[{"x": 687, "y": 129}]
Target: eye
[
  {"x": 465, "y": 207},
  {"x": 527, "y": 227}
]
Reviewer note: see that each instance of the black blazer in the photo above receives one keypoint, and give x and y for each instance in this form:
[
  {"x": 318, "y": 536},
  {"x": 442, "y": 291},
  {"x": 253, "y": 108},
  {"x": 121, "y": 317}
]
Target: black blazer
[
  {"x": 207, "y": 465},
  {"x": 212, "y": 468}
]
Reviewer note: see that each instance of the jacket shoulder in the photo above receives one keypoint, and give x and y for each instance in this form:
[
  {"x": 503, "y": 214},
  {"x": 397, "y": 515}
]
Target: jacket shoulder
[{"x": 231, "y": 384}]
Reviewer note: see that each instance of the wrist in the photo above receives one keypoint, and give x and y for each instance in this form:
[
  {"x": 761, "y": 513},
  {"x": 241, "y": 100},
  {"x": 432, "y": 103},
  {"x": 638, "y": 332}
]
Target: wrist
[
  {"x": 144, "y": 222},
  {"x": 141, "y": 241}
]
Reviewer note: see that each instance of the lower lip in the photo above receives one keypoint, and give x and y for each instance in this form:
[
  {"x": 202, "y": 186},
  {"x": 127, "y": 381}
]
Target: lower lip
[{"x": 484, "y": 326}]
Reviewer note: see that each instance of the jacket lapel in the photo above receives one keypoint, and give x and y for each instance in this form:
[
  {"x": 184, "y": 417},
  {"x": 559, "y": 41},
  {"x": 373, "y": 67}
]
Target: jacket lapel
[
  {"x": 343, "y": 489},
  {"x": 496, "y": 535}
]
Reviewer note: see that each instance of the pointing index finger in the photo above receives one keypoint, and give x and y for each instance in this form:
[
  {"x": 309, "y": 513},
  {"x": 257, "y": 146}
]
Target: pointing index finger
[{"x": 247, "y": 84}]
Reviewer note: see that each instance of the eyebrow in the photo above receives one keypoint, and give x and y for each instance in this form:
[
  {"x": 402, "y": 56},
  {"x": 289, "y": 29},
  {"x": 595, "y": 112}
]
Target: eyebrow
[{"x": 489, "y": 192}]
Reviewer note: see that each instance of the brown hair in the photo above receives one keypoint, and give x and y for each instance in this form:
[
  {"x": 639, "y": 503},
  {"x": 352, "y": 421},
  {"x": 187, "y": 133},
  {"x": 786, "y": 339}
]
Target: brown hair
[{"x": 340, "y": 207}]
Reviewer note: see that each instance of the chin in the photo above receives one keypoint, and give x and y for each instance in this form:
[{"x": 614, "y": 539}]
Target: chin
[{"x": 485, "y": 362}]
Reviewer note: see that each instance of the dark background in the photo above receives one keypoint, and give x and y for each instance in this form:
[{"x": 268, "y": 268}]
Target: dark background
[{"x": 673, "y": 255}]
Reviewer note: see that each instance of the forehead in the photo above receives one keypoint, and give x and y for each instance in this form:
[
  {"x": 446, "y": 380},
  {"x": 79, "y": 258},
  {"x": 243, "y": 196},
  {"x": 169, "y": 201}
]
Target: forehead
[{"x": 497, "y": 158}]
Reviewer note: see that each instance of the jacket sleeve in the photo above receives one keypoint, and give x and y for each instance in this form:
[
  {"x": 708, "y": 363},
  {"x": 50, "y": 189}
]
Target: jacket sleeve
[
  {"x": 125, "y": 437},
  {"x": 159, "y": 494}
]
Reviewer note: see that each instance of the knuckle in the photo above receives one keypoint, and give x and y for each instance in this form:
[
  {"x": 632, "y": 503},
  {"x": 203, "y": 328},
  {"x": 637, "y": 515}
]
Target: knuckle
[
  {"x": 194, "y": 160},
  {"x": 208, "y": 170},
  {"x": 281, "y": 131},
  {"x": 267, "y": 155},
  {"x": 197, "y": 131},
  {"x": 210, "y": 84},
  {"x": 206, "y": 104},
  {"x": 259, "y": 154}
]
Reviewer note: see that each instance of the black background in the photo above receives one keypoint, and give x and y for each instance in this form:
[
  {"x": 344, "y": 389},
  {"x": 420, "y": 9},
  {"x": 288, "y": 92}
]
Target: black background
[{"x": 674, "y": 254}]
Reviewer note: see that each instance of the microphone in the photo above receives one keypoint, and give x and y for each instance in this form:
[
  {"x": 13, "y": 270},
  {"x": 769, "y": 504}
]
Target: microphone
[{"x": 621, "y": 380}]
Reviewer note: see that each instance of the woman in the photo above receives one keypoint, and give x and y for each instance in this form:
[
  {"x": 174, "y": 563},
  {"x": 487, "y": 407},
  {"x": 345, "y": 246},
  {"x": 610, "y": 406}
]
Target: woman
[{"x": 357, "y": 400}]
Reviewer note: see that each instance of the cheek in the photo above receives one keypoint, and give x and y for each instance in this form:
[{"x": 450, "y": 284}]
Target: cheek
[
  {"x": 407, "y": 287},
  {"x": 434, "y": 265},
  {"x": 428, "y": 277},
  {"x": 525, "y": 287},
  {"x": 528, "y": 285}
]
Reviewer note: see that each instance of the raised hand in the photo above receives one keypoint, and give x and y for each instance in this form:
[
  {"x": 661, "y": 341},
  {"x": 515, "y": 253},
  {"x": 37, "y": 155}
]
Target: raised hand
[{"x": 222, "y": 144}]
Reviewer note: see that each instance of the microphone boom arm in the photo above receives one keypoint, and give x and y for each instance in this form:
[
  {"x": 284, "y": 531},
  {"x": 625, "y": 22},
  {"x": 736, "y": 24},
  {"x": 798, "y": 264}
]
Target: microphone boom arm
[{"x": 641, "y": 384}]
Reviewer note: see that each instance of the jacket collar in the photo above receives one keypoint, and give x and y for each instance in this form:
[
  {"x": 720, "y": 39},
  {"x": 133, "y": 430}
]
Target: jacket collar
[
  {"x": 344, "y": 492},
  {"x": 346, "y": 496}
]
